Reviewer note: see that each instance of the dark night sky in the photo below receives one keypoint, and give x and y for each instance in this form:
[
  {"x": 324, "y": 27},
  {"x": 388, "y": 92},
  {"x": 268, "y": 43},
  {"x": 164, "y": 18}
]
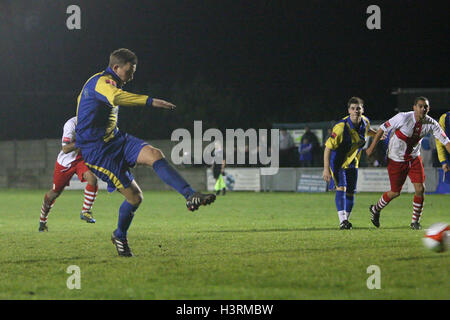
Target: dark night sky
[{"x": 285, "y": 59}]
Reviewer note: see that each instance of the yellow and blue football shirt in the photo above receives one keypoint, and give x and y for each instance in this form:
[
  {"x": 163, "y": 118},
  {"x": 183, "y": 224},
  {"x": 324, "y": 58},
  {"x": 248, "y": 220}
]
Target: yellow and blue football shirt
[
  {"x": 443, "y": 155},
  {"x": 346, "y": 142},
  {"x": 108, "y": 152},
  {"x": 98, "y": 108}
]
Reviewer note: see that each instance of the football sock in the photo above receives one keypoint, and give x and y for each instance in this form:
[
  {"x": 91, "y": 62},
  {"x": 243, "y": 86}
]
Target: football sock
[
  {"x": 126, "y": 215},
  {"x": 90, "y": 193},
  {"x": 383, "y": 202},
  {"x": 340, "y": 205},
  {"x": 45, "y": 209},
  {"x": 349, "y": 201},
  {"x": 417, "y": 208},
  {"x": 171, "y": 177}
]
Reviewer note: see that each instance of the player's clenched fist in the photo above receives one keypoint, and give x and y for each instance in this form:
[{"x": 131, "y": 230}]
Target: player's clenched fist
[
  {"x": 158, "y": 103},
  {"x": 326, "y": 175},
  {"x": 445, "y": 167}
]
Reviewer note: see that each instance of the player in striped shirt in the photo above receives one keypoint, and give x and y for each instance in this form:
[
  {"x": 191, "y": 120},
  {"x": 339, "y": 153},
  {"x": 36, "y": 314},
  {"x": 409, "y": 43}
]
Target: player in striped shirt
[
  {"x": 404, "y": 156},
  {"x": 68, "y": 163}
]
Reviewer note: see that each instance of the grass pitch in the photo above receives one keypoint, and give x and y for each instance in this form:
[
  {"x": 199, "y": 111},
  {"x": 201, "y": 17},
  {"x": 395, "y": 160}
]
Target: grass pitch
[{"x": 244, "y": 246}]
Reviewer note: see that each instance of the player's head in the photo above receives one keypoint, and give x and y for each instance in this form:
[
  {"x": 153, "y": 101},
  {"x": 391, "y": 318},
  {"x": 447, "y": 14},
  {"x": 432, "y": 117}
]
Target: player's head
[
  {"x": 123, "y": 62},
  {"x": 355, "y": 107},
  {"x": 421, "y": 107}
]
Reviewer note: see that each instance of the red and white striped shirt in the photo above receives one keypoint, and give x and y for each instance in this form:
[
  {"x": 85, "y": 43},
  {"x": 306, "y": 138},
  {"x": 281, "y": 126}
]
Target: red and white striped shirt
[
  {"x": 66, "y": 159},
  {"x": 404, "y": 144}
]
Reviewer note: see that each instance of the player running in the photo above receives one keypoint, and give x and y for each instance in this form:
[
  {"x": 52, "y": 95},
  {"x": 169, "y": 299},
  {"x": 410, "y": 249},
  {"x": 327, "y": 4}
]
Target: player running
[
  {"x": 68, "y": 163},
  {"x": 404, "y": 156},
  {"x": 443, "y": 155},
  {"x": 341, "y": 157},
  {"x": 110, "y": 153}
]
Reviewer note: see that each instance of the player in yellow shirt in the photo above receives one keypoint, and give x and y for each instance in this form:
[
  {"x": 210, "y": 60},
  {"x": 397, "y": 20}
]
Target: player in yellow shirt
[
  {"x": 443, "y": 155},
  {"x": 111, "y": 153},
  {"x": 341, "y": 157}
]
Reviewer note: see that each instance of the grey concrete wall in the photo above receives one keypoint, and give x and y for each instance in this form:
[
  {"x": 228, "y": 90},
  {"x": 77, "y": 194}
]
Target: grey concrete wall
[{"x": 29, "y": 164}]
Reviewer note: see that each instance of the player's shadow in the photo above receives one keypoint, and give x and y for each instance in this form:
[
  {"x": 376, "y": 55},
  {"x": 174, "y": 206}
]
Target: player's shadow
[
  {"x": 422, "y": 258},
  {"x": 268, "y": 230},
  {"x": 301, "y": 229},
  {"x": 64, "y": 260}
]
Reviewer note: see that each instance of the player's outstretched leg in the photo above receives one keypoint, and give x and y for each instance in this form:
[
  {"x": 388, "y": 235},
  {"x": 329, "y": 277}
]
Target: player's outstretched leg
[
  {"x": 198, "y": 199},
  {"x": 171, "y": 177},
  {"x": 151, "y": 156}
]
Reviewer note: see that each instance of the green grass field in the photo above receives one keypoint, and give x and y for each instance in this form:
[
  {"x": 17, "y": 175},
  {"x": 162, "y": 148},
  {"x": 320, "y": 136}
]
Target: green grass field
[{"x": 244, "y": 246}]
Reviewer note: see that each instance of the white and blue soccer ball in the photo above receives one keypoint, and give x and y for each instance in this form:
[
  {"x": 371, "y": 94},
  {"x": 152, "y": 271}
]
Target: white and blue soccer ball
[{"x": 437, "y": 237}]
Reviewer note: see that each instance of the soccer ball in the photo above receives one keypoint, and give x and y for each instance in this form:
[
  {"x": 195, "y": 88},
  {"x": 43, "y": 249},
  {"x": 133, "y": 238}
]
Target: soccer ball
[{"x": 437, "y": 237}]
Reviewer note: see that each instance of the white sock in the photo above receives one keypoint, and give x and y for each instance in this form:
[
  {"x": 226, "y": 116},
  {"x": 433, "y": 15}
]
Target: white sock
[
  {"x": 342, "y": 216},
  {"x": 347, "y": 215}
]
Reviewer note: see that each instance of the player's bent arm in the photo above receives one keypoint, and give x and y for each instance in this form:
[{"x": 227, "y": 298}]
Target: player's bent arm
[
  {"x": 442, "y": 140},
  {"x": 444, "y": 163},
  {"x": 377, "y": 138},
  {"x": 440, "y": 148},
  {"x": 447, "y": 146},
  {"x": 67, "y": 148},
  {"x": 371, "y": 132}
]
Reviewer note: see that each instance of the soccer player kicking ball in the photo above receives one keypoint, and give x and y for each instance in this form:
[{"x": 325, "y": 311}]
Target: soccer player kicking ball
[
  {"x": 404, "y": 156},
  {"x": 110, "y": 153},
  {"x": 68, "y": 163},
  {"x": 341, "y": 157}
]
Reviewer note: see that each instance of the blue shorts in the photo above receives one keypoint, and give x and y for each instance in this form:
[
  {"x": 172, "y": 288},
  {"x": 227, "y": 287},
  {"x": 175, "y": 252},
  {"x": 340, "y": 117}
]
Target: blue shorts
[
  {"x": 346, "y": 178},
  {"x": 111, "y": 161}
]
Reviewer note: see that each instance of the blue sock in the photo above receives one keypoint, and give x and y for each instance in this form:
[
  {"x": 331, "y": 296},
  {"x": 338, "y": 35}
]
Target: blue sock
[
  {"x": 171, "y": 177},
  {"x": 340, "y": 200},
  {"x": 349, "y": 201},
  {"x": 126, "y": 214}
]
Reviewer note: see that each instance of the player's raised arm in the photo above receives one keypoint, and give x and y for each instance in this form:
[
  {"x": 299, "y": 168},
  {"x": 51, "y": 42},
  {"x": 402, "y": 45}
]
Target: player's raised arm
[
  {"x": 108, "y": 92},
  {"x": 158, "y": 103},
  {"x": 121, "y": 69}
]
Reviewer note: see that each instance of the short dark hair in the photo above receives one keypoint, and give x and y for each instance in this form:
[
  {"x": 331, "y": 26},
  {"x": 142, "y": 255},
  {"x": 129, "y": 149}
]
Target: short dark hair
[
  {"x": 421, "y": 98},
  {"x": 122, "y": 56},
  {"x": 355, "y": 100}
]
